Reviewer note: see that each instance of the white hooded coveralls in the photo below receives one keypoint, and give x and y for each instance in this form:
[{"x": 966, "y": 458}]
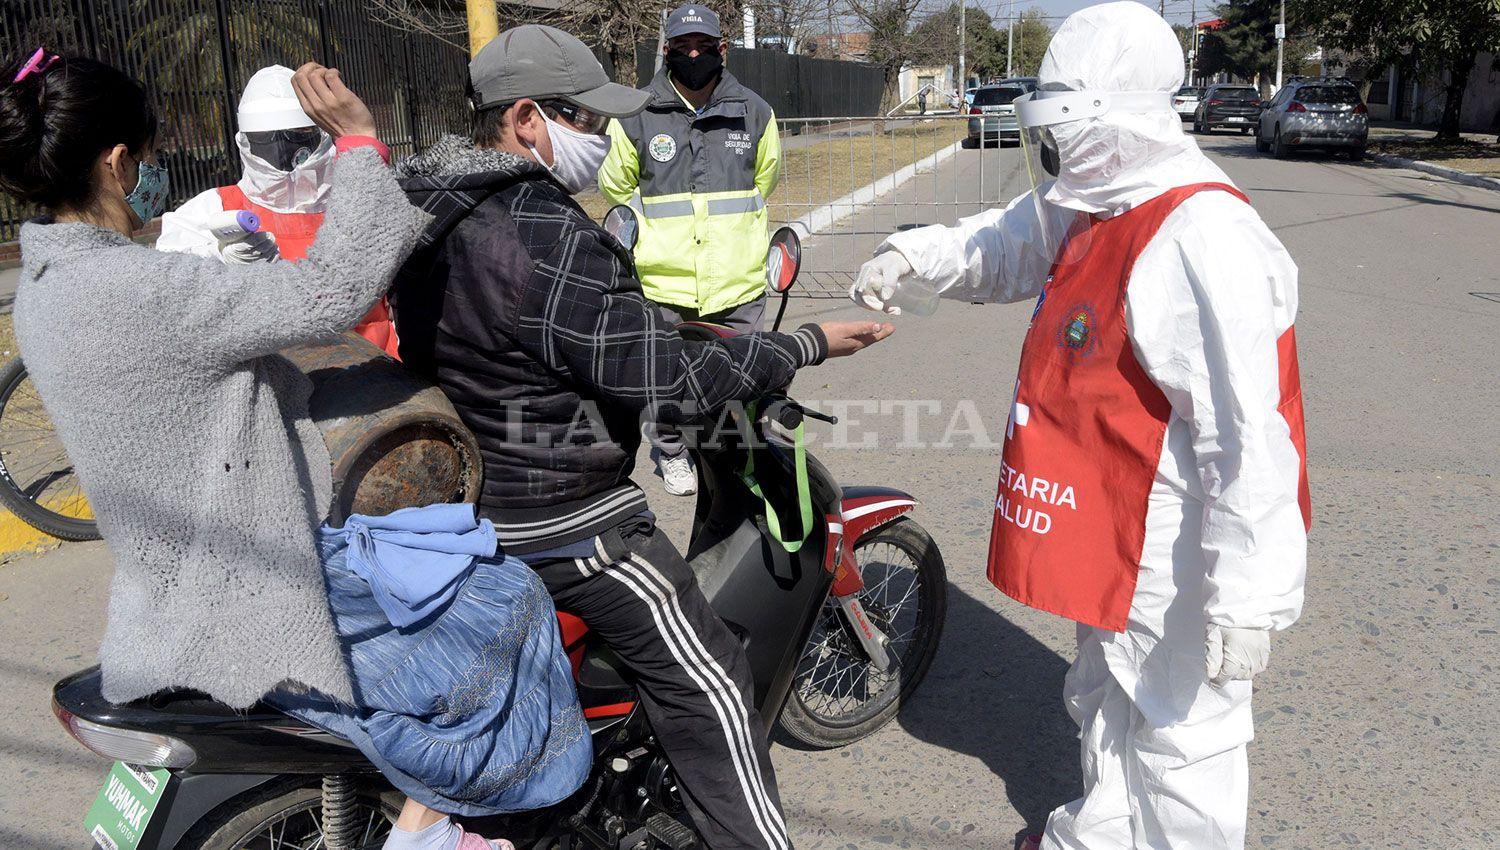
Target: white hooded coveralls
[
  {"x": 295, "y": 199},
  {"x": 268, "y": 103},
  {"x": 1163, "y": 751}
]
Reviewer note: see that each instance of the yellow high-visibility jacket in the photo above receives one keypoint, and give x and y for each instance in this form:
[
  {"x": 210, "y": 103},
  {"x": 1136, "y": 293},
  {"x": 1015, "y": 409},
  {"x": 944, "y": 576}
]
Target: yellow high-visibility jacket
[{"x": 699, "y": 181}]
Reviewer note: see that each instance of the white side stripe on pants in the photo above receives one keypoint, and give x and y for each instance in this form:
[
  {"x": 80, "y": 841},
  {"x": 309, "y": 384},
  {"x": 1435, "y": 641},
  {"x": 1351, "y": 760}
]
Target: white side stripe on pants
[
  {"x": 730, "y": 693},
  {"x": 646, "y": 582}
]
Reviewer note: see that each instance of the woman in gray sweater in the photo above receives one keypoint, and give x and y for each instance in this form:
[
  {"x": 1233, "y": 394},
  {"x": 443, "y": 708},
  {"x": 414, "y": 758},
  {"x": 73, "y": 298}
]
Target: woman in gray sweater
[{"x": 189, "y": 433}]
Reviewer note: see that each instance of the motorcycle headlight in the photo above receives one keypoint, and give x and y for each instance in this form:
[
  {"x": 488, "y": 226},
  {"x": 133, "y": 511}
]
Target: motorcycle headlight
[{"x": 139, "y": 748}]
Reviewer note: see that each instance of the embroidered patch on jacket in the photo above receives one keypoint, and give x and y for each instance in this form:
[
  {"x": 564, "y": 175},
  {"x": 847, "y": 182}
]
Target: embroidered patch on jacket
[
  {"x": 1076, "y": 334},
  {"x": 662, "y": 147}
]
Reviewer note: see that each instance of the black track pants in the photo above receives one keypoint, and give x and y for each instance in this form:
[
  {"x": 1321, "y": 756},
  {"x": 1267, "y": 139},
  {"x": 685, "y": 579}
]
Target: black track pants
[{"x": 638, "y": 594}]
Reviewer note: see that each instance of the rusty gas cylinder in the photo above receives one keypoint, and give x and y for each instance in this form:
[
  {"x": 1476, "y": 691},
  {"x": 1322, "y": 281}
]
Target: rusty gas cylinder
[{"x": 394, "y": 439}]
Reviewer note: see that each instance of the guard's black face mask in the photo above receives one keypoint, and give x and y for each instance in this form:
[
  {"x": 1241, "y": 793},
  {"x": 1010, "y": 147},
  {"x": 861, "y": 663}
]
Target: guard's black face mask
[
  {"x": 694, "y": 72},
  {"x": 285, "y": 149}
]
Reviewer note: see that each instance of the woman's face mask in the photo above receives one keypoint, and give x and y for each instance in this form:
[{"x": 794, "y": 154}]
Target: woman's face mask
[
  {"x": 149, "y": 197},
  {"x": 284, "y": 150},
  {"x": 576, "y": 157}
]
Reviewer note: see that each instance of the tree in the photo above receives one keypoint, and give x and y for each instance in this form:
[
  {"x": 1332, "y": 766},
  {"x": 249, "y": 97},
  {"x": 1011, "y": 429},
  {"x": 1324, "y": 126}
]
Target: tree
[
  {"x": 889, "y": 23},
  {"x": 1446, "y": 35},
  {"x": 616, "y": 25},
  {"x": 1244, "y": 46},
  {"x": 444, "y": 20},
  {"x": 789, "y": 20},
  {"x": 937, "y": 41},
  {"x": 178, "y": 49},
  {"x": 1032, "y": 36}
]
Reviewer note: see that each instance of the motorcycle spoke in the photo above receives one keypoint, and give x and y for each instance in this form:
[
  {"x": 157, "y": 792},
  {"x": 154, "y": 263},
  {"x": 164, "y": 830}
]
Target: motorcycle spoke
[{"x": 834, "y": 679}]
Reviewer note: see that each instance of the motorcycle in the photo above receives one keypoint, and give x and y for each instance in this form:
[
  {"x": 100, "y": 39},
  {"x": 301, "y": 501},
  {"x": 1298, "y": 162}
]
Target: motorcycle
[{"x": 837, "y": 594}]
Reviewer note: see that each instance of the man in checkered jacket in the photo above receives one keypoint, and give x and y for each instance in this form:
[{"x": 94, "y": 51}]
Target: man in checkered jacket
[{"x": 531, "y": 319}]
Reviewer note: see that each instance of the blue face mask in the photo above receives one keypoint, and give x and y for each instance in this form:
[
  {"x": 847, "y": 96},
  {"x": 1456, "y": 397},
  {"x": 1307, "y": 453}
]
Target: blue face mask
[{"x": 149, "y": 197}]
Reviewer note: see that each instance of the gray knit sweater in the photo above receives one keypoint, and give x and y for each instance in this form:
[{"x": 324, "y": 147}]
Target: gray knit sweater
[{"x": 191, "y": 437}]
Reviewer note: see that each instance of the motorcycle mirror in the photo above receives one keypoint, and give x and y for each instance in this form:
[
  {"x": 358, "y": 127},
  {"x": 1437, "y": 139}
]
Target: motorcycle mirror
[
  {"x": 621, "y": 223},
  {"x": 783, "y": 260}
]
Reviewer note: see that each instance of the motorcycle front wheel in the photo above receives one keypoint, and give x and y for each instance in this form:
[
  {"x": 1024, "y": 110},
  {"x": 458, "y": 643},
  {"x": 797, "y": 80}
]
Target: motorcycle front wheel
[{"x": 838, "y": 696}]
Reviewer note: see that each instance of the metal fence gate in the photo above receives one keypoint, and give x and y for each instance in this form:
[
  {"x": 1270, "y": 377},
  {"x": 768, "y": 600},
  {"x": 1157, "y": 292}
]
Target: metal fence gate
[
  {"x": 195, "y": 56},
  {"x": 847, "y": 183}
]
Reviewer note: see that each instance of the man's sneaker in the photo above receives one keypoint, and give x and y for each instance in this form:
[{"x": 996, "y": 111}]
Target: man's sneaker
[{"x": 677, "y": 473}]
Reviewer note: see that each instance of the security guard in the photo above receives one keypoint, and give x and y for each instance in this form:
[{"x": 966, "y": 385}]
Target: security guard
[{"x": 698, "y": 164}]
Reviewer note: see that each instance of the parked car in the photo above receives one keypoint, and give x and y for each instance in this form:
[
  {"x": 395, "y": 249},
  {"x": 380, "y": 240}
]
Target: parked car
[
  {"x": 1225, "y": 105},
  {"x": 1025, "y": 84},
  {"x": 1314, "y": 113},
  {"x": 992, "y": 115},
  {"x": 1186, "y": 101}
]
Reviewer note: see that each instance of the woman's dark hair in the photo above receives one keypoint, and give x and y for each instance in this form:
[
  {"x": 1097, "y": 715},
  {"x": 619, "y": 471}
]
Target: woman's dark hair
[{"x": 56, "y": 122}]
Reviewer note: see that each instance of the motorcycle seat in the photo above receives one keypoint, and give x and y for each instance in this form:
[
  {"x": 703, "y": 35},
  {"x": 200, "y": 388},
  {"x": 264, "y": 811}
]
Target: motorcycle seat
[{"x": 259, "y": 739}]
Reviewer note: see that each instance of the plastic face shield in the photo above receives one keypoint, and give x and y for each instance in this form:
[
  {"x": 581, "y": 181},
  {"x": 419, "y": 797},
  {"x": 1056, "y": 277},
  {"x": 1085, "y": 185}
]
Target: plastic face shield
[
  {"x": 1037, "y": 113},
  {"x": 284, "y": 150}
]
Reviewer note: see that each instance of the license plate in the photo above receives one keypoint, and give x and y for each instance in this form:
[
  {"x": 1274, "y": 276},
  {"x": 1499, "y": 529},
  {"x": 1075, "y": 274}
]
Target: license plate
[
  {"x": 122, "y": 811},
  {"x": 1235, "y": 119}
]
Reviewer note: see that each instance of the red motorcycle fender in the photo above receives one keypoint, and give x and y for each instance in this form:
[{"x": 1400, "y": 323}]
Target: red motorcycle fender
[{"x": 865, "y": 509}]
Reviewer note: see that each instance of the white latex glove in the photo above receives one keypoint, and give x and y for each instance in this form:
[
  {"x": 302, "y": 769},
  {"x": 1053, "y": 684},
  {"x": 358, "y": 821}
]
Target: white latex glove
[
  {"x": 878, "y": 281},
  {"x": 254, "y": 248},
  {"x": 1236, "y": 654}
]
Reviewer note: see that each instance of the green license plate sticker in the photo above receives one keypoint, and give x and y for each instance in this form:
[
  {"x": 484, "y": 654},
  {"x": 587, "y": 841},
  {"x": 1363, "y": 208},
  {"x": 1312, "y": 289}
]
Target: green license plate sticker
[{"x": 123, "y": 809}]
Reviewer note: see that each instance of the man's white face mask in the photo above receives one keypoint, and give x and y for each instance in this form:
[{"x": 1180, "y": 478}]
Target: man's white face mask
[{"x": 576, "y": 157}]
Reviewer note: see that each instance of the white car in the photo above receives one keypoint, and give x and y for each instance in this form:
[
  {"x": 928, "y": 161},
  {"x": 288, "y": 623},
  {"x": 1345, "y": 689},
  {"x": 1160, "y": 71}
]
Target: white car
[{"x": 1186, "y": 101}]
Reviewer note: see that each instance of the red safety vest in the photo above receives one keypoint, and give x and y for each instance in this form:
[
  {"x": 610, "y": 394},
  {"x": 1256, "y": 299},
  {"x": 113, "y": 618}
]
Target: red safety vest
[
  {"x": 295, "y": 233},
  {"x": 1087, "y": 431}
]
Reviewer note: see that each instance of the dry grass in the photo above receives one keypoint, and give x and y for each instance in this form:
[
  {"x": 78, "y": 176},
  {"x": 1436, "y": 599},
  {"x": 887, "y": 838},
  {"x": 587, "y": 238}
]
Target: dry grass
[
  {"x": 1464, "y": 155},
  {"x": 8, "y": 346},
  {"x": 825, "y": 171},
  {"x": 814, "y": 173}
]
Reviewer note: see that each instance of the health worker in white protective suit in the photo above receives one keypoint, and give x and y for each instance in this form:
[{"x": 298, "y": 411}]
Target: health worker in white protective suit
[
  {"x": 1153, "y": 483},
  {"x": 287, "y": 161}
]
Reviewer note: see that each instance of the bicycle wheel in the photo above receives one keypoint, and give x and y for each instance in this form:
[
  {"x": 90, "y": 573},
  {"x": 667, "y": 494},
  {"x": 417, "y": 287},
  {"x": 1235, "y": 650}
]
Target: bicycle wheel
[{"x": 37, "y": 482}]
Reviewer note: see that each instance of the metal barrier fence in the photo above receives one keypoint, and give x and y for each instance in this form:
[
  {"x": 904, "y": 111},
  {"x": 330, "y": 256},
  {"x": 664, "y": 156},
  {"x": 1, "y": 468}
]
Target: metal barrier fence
[
  {"x": 794, "y": 86},
  {"x": 196, "y": 55},
  {"x": 847, "y": 183}
]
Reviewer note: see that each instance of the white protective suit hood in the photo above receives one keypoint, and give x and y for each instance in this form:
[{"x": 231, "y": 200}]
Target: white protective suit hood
[
  {"x": 269, "y": 103},
  {"x": 1120, "y": 159}
]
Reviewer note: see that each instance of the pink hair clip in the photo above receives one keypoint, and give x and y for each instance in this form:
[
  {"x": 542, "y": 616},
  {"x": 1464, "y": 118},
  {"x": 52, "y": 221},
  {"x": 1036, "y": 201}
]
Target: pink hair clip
[{"x": 38, "y": 63}]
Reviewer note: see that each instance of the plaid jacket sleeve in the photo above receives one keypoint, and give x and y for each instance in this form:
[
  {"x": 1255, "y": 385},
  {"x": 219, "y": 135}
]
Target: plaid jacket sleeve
[{"x": 582, "y": 314}]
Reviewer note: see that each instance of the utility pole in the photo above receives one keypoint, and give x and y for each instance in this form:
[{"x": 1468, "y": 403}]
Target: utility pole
[
  {"x": 1010, "y": 38},
  {"x": 484, "y": 23},
  {"x": 1193, "y": 45},
  {"x": 661, "y": 39},
  {"x": 1280, "y": 43},
  {"x": 1021, "y": 38},
  {"x": 961, "y": 78}
]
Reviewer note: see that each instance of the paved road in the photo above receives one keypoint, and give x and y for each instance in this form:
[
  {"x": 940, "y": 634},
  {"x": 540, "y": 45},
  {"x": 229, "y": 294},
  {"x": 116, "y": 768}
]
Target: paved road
[{"x": 1376, "y": 723}]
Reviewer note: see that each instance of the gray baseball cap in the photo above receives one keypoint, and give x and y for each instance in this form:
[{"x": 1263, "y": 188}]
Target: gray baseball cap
[
  {"x": 693, "y": 18},
  {"x": 543, "y": 63}
]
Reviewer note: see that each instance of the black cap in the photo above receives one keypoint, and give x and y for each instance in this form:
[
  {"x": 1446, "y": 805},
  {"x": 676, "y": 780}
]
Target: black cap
[{"x": 693, "y": 18}]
